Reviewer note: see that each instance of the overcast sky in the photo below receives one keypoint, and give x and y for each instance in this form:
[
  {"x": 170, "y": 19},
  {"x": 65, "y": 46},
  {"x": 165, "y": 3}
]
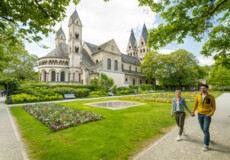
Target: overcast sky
[{"x": 114, "y": 20}]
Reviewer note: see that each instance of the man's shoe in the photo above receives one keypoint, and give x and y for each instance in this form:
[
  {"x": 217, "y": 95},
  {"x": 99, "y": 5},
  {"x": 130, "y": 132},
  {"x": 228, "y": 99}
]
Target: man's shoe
[
  {"x": 205, "y": 148},
  {"x": 178, "y": 138}
]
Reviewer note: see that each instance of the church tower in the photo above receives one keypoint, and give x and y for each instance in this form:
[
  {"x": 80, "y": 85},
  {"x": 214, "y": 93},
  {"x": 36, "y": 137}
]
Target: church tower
[
  {"x": 142, "y": 49},
  {"x": 60, "y": 37},
  {"x": 132, "y": 46},
  {"x": 75, "y": 40}
]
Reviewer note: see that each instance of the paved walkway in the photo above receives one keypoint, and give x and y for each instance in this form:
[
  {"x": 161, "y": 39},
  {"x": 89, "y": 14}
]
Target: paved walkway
[{"x": 190, "y": 147}]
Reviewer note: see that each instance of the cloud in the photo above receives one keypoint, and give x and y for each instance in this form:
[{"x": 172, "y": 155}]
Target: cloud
[
  {"x": 165, "y": 51},
  {"x": 42, "y": 43},
  {"x": 205, "y": 60},
  {"x": 103, "y": 21},
  {"x": 112, "y": 20}
]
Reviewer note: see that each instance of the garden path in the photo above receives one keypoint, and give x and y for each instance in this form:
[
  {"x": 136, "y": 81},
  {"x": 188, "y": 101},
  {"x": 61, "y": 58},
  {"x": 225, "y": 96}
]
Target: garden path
[{"x": 190, "y": 147}]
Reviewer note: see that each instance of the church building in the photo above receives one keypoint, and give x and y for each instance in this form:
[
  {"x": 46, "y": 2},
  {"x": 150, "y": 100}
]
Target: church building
[{"x": 78, "y": 62}]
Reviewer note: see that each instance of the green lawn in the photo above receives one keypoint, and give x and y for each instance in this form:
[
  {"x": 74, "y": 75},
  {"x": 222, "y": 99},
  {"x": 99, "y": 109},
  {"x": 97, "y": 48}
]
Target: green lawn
[{"x": 121, "y": 134}]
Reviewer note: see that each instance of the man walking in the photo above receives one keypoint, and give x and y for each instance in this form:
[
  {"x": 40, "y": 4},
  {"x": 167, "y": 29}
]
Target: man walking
[{"x": 206, "y": 106}]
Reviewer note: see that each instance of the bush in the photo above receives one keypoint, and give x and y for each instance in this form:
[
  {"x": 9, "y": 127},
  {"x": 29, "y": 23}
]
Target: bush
[
  {"x": 133, "y": 87},
  {"x": 12, "y": 84},
  {"x": 123, "y": 88},
  {"x": 64, "y": 90},
  {"x": 144, "y": 87},
  {"x": 98, "y": 93},
  {"x": 25, "y": 98},
  {"x": 125, "y": 92},
  {"x": 81, "y": 92}
]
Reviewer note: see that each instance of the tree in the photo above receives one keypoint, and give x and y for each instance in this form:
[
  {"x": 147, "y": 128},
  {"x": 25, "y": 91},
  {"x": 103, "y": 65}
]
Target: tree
[
  {"x": 32, "y": 17},
  {"x": 10, "y": 84},
  {"x": 180, "y": 68},
  {"x": 219, "y": 76},
  {"x": 199, "y": 19},
  {"x": 152, "y": 63},
  {"x": 25, "y": 69},
  {"x": 10, "y": 47},
  {"x": 105, "y": 82}
]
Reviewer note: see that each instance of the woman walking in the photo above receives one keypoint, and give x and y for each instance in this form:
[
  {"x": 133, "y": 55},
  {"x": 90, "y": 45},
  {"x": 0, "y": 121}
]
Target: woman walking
[{"x": 178, "y": 106}]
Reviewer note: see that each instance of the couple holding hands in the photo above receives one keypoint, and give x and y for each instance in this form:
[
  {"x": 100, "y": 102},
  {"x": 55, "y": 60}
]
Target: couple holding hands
[{"x": 205, "y": 105}]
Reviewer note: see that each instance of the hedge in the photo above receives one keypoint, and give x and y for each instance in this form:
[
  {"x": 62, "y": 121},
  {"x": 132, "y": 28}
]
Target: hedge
[{"x": 25, "y": 98}]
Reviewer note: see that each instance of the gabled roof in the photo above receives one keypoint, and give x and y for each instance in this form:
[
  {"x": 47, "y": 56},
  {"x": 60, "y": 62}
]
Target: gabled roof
[
  {"x": 145, "y": 33},
  {"x": 86, "y": 59},
  {"x": 74, "y": 16},
  {"x": 59, "y": 32},
  {"x": 130, "y": 59},
  {"x": 60, "y": 52},
  {"x": 102, "y": 46},
  {"x": 132, "y": 39},
  {"x": 91, "y": 47}
]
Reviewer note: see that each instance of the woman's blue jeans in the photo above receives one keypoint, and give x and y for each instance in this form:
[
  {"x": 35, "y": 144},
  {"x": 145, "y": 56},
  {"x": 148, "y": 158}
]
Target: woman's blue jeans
[{"x": 204, "y": 125}]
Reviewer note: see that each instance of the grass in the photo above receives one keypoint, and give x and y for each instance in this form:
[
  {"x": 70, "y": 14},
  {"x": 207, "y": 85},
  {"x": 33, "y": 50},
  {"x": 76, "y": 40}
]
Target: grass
[{"x": 120, "y": 135}]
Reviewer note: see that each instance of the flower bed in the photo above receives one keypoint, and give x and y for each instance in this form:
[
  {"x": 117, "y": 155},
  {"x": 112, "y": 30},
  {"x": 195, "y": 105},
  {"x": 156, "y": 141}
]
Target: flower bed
[{"x": 58, "y": 117}]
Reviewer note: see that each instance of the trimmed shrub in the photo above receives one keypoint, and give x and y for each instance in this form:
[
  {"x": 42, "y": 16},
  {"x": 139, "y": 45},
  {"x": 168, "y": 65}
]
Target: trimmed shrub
[
  {"x": 25, "y": 98},
  {"x": 125, "y": 92},
  {"x": 123, "y": 88},
  {"x": 64, "y": 90},
  {"x": 98, "y": 93},
  {"x": 82, "y": 92}
]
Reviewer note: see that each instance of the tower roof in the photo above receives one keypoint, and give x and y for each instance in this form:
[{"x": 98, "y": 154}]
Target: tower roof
[
  {"x": 145, "y": 33},
  {"x": 75, "y": 16},
  {"x": 132, "y": 38},
  {"x": 59, "y": 32}
]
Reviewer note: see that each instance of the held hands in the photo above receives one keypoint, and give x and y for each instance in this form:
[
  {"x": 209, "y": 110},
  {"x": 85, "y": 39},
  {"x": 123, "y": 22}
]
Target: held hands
[
  {"x": 208, "y": 115},
  {"x": 192, "y": 114}
]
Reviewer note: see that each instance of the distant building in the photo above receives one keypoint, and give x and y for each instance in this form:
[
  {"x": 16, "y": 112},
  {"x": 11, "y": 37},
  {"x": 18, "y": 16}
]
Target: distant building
[{"x": 78, "y": 62}]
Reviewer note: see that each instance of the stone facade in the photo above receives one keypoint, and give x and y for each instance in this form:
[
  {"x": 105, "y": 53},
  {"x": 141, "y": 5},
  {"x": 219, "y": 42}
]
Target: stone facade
[{"x": 78, "y": 62}]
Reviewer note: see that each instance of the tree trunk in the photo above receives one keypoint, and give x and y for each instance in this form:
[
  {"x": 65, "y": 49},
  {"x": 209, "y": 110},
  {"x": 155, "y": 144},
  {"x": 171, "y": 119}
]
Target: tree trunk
[
  {"x": 154, "y": 84},
  {"x": 180, "y": 83}
]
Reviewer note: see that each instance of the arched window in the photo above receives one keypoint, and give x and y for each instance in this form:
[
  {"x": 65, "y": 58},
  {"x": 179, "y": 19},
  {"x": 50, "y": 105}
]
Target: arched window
[
  {"x": 76, "y": 49},
  {"x": 136, "y": 69},
  {"x": 108, "y": 64},
  {"x": 133, "y": 81},
  {"x": 115, "y": 65},
  {"x": 143, "y": 50},
  {"x": 142, "y": 43},
  {"x": 76, "y": 35},
  {"x": 62, "y": 76},
  {"x": 53, "y": 75},
  {"x": 44, "y": 76},
  {"x": 129, "y": 68},
  {"x": 122, "y": 66},
  {"x": 96, "y": 61},
  {"x": 129, "y": 47},
  {"x": 140, "y": 81}
]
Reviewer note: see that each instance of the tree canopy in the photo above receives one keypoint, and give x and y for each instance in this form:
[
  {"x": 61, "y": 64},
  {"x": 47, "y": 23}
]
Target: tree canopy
[
  {"x": 176, "y": 69},
  {"x": 32, "y": 18},
  {"x": 200, "y": 19},
  {"x": 219, "y": 76}
]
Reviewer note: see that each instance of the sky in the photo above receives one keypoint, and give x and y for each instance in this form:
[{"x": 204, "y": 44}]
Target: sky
[{"x": 103, "y": 21}]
